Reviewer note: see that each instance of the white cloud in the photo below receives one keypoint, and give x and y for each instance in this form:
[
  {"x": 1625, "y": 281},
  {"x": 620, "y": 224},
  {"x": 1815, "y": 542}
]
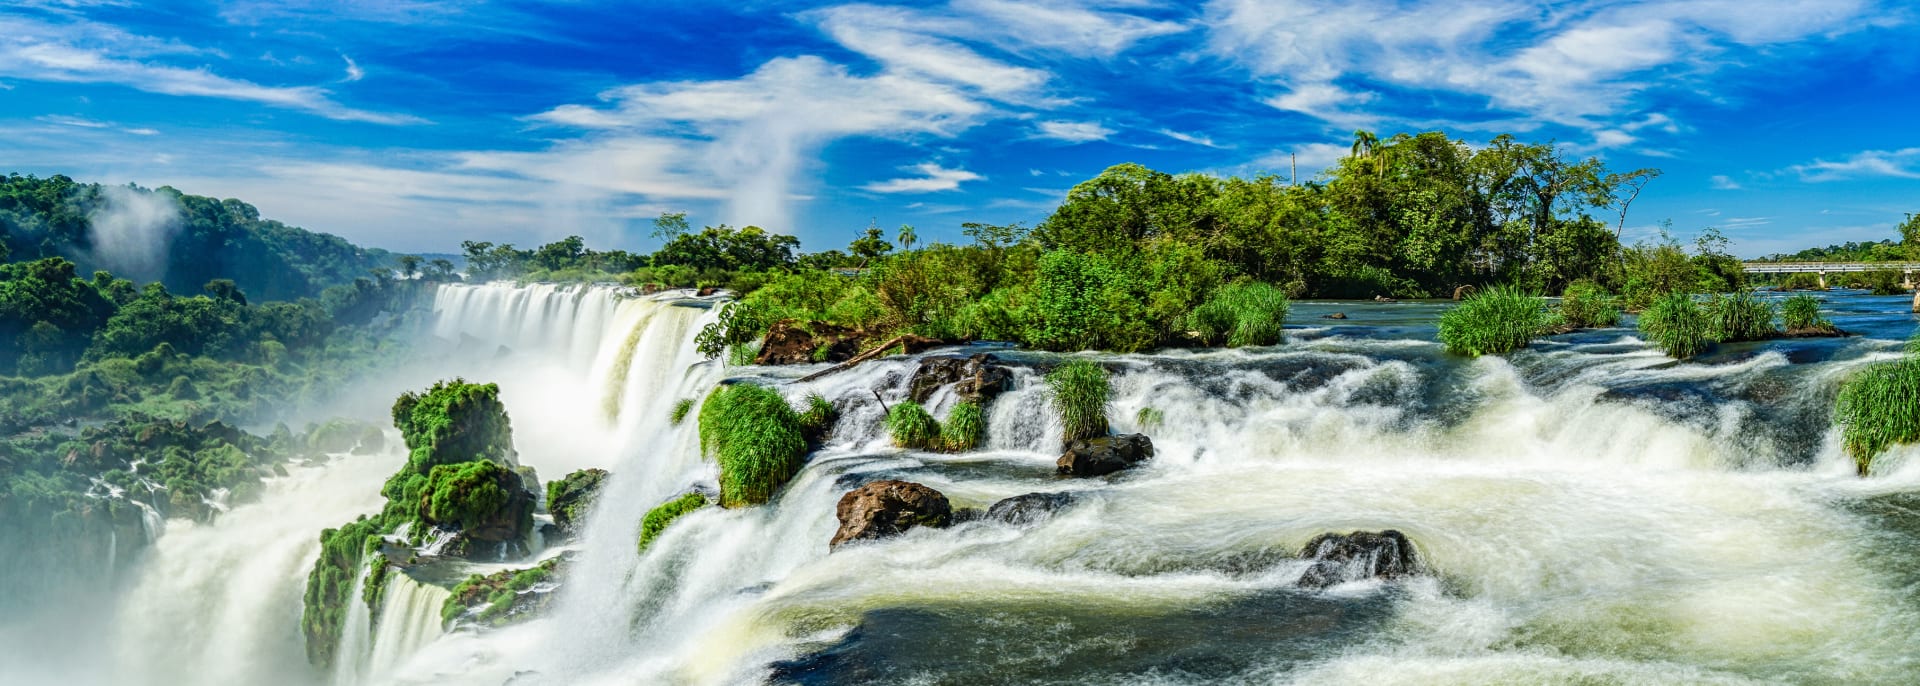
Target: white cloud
[
  {"x": 1721, "y": 182},
  {"x": 907, "y": 42},
  {"x": 64, "y": 120},
  {"x": 1195, "y": 139},
  {"x": 933, "y": 178},
  {"x": 1073, "y": 131},
  {"x": 91, "y": 53},
  {"x": 354, "y": 72},
  {"x": 1903, "y": 163},
  {"x": 1064, "y": 26}
]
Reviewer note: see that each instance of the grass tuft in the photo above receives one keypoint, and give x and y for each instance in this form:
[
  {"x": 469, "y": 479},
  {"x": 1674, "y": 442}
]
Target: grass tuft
[
  {"x": 1741, "y": 316},
  {"x": 1585, "y": 305},
  {"x": 759, "y": 441},
  {"x": 911, "y": 427},
  {"x": 1242, "y": 314},
  {"x": 1079, "y": 391},
  {"x": 1150, "y": 418},
  {"x": 1879, "y": 408},
  {"x": 1677, "y": 325},
  {"x": 1496, "y": 320},
  {"x": 657, "y": 519},
  {"x": 965, "y": 428},
  {"x": 1802, "y": 313},
  {"x": 680, "y": 410}
]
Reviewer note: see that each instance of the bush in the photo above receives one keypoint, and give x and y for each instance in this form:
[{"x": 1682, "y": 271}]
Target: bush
[
  {"x": 1740, "y": 316},
  {"x": 1677, "y": 326},
  {"x": 1884, "y": 282},
  {"x": 759, "y": 441},
  {"x": 911, "y": 427},
  {"x": 454, "y": 422},
  {"x": 569, "y": 498},
  {"x": 965, "y": 428},
  {"x": 1879, "y": 408},
  {"x": 1079, "y": 391},
  {"x": 657, "y": 519},
  {"x": 1802, "y": 313},
  {"x": 1242, "y": 314},
  {"x": 1496, "y": 320},
  {"x": 680, "y": 410},
  {"x": 1802, "y": 281},
  {"x": 1586, "y": 305}
]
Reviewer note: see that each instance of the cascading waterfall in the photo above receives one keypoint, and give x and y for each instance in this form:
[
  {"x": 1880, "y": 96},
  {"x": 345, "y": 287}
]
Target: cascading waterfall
[{"x": 1590, "y": 512}]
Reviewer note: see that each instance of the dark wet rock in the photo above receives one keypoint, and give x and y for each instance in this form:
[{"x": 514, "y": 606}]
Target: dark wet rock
[
  {"x": 1814, "y": 332},
  {"x": 889, "y": 508},
  {"x": 1340, "y": 558},
  {"x": 978, "y": 378},
  {"x": 1336, "y": 315},
  {"x": 1382, "y": 299},
  {"x": 568, "y": 499},
  {"x": 1029, "y": 508},
  {"x": 793, "y": 342},
  {"x": 709, "y": 290},
  {"x": 1104, "y": 455},
  {"x": 968, "y": 514}
]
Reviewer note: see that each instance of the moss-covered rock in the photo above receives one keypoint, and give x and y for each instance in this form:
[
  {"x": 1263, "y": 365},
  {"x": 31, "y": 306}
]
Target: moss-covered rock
[
  {"x": 482, "y": 500},
  {"x": 504, "y": 597},
  {"x": 569, "y": 499},
  {"x": 657, "y": 519},
  {"x": 454, "y": 422},
  {"x": 330, "y": 585}
]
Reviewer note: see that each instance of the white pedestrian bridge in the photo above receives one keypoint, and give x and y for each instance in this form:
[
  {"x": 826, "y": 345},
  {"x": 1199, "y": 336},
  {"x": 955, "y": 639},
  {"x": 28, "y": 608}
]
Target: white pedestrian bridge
[{"x": 1828, "y": 267}]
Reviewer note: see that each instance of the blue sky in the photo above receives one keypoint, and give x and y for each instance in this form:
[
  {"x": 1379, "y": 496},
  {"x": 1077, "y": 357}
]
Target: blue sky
[{"x": 414, "y": 124}]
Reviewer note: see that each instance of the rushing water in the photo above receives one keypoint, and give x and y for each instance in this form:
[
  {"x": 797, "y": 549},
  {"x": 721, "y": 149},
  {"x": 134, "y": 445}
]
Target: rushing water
[{"x": 1591, "y": 513}]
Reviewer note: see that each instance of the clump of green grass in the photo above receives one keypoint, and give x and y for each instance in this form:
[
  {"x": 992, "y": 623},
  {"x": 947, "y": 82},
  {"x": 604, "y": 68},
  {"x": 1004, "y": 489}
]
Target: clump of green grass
[
  {"x": 1802, "y": 313},
  {"x": 1079, "y": 391},
  {"x": 911, "y": 427},
  {"x": 657, "y": 519},
  {"x": 1586, "y": 305},
  {"x": 1677, "y": 325},
  {"x": 1242, "y": 314},
  {"x": 1879, "y": 408},
  {"x": 759, "y": 441},
  {"x": 965, "y": 428},
  {"x": 680, "y": 410},
  {"x": 819, "y": 416},
  {"x": 1150, "y": 418},
  {"x": 1741, "y": 316},
  {"x": 1496, "y": 320}
]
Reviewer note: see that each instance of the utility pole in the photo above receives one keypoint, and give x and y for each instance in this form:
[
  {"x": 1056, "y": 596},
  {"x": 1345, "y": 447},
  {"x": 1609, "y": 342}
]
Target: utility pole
[{"x": 1293, "y": 177}]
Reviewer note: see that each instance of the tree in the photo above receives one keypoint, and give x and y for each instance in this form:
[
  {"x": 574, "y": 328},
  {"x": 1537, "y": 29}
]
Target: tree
[
  {"x": 409, "y": 265},
  {"x": 1910, "y": 236},
  {"x": 871, "y": 245},
  {"x": 670, "y": 225},
  {"x": 225, "y": 289},
  {"x": 907, "y": 236},
  {"x": 1623, "y": 189}
]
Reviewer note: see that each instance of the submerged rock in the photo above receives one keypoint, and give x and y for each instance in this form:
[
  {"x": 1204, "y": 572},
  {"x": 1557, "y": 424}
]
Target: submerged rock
[
  {"x": 1104, "y": 455},
  {"x": 793, "y": 342},
  {"x": 1336, "y": 315},
  {"x": 1029, "y": 507},
  {"x": 889, "y": 508},
  {"x": 978, "y": 378},
  {"x": 1341, "y": 558}
]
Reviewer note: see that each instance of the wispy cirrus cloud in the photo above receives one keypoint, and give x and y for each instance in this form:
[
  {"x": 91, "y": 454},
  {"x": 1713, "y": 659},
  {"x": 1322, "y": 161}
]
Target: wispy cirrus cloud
[
  {"x": 1073, "y": 131},
  {"x": 932, "y": 178},
  {"x": 1903, "y": 164}
]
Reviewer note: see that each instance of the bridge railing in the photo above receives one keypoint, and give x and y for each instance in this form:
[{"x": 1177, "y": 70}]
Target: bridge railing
[{"x": 1827, "y": 267}]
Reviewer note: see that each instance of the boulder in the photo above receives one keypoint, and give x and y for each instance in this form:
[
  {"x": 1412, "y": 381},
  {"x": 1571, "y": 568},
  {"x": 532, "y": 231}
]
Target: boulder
[
  {"x": 1341, "y": 558},
  {"x": 569, "y": 498},
  {"x": 1029, "y": 507},
  {"x": 1336, "y": 315},
  {"x": 977, "y": 378},
  {"x": 790, "y": 342},
  {"x": 889, "y": 508},
  {"x": 1104, "y": 455}
]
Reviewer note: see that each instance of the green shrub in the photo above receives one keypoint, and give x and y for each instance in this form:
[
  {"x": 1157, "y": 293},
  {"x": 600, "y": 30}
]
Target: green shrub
[
  {"x": 1079, "y": 391},
  {"x": 1740, "y": 316},
  {"x": 657, "y": 519},
  {"x": 1879, "y": 408},
  {"x": 1586, "y": 305},
  {"x": 1802, "y": 313},
  {"x": 911, "y": 427},
  {"x": 1802, "y": 281},
  {"x": 471, "y": 494},
  {"x": 1242, "y": 314},
  {"x": 1496, "y": 320},
  {"x": 964, "y": 429},
  {"x": 1884, "y": 282},
  {"x": 330, "y": 585},
  {"x": 1676, "y": 324},
  {"x": 454, "y": 422},
  {"x": 570, "y": 498},
  {"x": 680, "y": 410},
  {"x": 818, "y": 420},
  {"x": 759, "y": 441}
]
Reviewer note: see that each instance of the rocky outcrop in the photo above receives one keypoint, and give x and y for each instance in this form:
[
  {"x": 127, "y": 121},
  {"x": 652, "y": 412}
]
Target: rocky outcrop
[
  {"x": 568, "y": 499},
  {"x": 889, "y": 508},
  {"x": 1336, "y": 315},
  {"x": 978, "y": 378},
  {"x": 791, "y": 342},
  {"x": 1029, "y": 508},
  {"x": 504, "y": 597},
  {"x": 1361, "y": 555},
  {"x": 1104, "y": 455}
]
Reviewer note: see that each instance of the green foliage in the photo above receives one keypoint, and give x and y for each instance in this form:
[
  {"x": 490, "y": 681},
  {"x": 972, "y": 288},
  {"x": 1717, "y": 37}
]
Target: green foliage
[
  {"x": 1150, "y": 418},
  {"x": 1078, "y": 391},
  {"x": 569, "y": 498},
  {"x": 817, "y": 421},
  {"x": 1587, "y": 305},
  {"x": 330, "y": 586},
  {"x": 454, "y": 422},
  {"x": 1870, "y": 251},
  {"x": 1883, "y": 281},
  {"x": 1088, "y": 301},
  {"x": 1677, "y": 325},
  {"x": 739, "y": 325},
  {"x": 657, "y": 519},
  {"x": 722, "y": 247},
  {"x": 491, "y": 599},
  {"x": 468, "y": 494},
  {"x": 1802, "y": 313},
  {"x": 911, "y": 427},
  {"x": 1242, "y": 314},
  {"x": 1495, "y": 320},
  {"x": 680, "y": 410},
  {"x": 759, "y": 441},
  {"x": 1879, "y": 407},
  {"x": 964, "y": 429},
  {"x": 1741, "y": 316},
  {"x": 1802, "y": 281}
]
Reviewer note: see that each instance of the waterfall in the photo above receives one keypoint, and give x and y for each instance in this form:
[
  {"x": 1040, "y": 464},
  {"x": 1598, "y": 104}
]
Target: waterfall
[
  {"x": 409, "y": 618},
  {"x": 356, "y": 637}
]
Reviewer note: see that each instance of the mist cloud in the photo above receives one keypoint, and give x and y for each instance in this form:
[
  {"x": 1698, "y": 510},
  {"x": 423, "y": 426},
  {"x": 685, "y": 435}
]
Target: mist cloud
[{"x": 131, "y": 231}]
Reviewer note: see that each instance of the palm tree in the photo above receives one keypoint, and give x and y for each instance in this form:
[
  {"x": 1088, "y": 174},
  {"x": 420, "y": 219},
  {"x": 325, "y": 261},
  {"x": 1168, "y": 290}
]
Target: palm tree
[{"x": 907, "y": 237}]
